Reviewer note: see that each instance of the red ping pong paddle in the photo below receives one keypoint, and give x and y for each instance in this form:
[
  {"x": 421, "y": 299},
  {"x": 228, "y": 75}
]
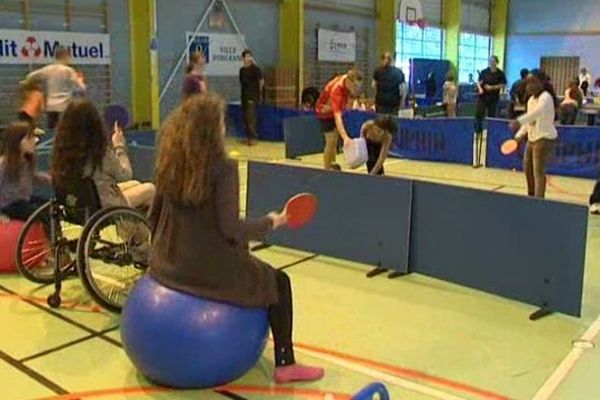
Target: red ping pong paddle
[
  {"x": 300, "y": 210},
  {"x": 509, "y": 147}
]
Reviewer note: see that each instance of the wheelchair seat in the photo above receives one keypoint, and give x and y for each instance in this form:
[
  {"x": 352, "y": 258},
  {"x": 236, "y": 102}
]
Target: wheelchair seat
[{"x": 80, "y": 200}]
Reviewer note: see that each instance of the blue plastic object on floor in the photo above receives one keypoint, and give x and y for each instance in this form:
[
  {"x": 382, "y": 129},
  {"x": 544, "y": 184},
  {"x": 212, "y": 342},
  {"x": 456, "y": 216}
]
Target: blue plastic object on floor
[{"x": 369, "y": 392}]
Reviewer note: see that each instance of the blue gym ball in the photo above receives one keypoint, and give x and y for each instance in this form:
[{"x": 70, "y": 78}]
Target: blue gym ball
[{"x": 183, "y": 341}]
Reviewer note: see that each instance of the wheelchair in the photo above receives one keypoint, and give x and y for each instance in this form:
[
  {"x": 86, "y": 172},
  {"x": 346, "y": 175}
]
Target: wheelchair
[{"x": 107, "y": 247}]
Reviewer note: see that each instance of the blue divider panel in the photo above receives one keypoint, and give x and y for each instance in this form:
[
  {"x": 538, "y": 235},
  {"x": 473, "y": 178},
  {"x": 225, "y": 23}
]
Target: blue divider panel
[
  {"x": 302, "y": 136},
  {"x": 516, "y": 247},
  {"x": 360, "y": 218},
  {"x": 143, "y": 161},
  {"x": 436, "y": 139},
  {"x": 440, "y": 139},
  {"x": 577, "y": 152},
  {"x": 269, "y": 124}
]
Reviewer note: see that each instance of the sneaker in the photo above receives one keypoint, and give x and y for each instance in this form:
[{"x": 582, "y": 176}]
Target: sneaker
[
  {"x": 595, "y": 209},
  {"x": 297, "y": 373}
]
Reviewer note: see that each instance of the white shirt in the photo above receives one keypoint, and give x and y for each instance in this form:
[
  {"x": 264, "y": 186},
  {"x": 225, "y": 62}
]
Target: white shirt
[
  {"x": 61, "y": 81},
  {"x": 538, "y": 122}
]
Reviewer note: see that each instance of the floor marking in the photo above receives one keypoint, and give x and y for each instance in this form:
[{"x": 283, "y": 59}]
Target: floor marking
[
  {"x": 567, "y": 365},
  {"x": 498, "y": 188},
  {"x": 403, "y": 383},
  {"x": 295, "y": 263},
  {"x": 402, "y": 372},
  {"x": 39, "y": 378},
  {"x": 314, "y": 394}
]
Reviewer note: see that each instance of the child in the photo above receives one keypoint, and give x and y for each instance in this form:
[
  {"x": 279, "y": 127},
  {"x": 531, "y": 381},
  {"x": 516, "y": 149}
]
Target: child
[
  {"x": 450, "y": 95},
  {"x": 378, "y": 134},
  {"x": 200, "y": 244},
  {"x": 18, "y": 174}
]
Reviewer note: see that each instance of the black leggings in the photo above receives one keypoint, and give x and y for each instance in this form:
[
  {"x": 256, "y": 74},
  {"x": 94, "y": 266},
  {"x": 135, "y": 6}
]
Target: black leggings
[
  {"x": 373, "y": 149},
  {"x": 21, "y": 209},
  {"x": 281, "y": 317},
  {"x": 595, "y": 197}
]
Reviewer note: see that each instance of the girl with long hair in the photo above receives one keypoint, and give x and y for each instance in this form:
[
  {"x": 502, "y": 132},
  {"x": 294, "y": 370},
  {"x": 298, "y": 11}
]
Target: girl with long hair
[
  {"x": 200, "y": 245},
  {"x": 18, "y": 172},
  {"x": 537, "y": 127},
  {"x": 194, "y": 81},
  {"x": 82, "y": 149}
]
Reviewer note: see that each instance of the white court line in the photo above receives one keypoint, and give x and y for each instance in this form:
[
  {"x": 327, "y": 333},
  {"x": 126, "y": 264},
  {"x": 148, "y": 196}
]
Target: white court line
[
  {"x": 382, "y": 376},
  {"x": 567, "y": 365}
]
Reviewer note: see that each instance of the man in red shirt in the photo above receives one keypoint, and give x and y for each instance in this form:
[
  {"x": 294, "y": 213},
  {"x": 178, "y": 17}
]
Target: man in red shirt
[{"x": 330, "y": 107}]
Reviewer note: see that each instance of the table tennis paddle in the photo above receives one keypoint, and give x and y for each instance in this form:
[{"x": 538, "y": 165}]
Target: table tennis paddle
[
  {"x": 116, "y": 114},
  {"x": 509, "y": 147},
  {"x": 300, "y": 210}
]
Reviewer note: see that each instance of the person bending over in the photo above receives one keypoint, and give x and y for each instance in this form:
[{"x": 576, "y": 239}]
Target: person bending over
[{"x": 379, "y": 134}]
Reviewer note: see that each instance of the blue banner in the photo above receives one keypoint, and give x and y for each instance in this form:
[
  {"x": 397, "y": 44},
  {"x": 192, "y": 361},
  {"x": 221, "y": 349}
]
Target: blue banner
[
  {"x": 577, "y": 152},
  {"x": 437, "y": 139}
]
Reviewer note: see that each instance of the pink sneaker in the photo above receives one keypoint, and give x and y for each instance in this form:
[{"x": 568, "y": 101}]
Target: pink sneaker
[{"x": 297, "y": 373}]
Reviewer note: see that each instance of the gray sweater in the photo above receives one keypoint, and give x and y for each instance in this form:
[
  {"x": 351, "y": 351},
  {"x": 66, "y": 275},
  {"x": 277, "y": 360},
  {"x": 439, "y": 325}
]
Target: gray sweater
[{"x": 22, "y": 189}]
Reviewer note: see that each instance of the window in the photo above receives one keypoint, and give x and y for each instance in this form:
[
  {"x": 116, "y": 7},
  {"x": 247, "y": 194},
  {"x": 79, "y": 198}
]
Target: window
[
  {"x": 474, "y": 55},
  {"x": 414, "y": 42}
]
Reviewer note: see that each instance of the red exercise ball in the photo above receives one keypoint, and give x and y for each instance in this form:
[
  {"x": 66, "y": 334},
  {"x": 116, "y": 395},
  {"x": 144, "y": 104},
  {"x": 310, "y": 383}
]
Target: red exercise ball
[{"x": 36, "y": 246}]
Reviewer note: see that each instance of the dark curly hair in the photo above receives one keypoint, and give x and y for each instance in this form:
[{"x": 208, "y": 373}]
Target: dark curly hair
[
  {"x": 387, "y": 124},
  {"x": 80, "y": 140}
]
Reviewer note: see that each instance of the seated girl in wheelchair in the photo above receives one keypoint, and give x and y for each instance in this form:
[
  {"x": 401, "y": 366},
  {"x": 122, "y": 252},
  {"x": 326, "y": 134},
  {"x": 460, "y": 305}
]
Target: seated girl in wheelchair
[
  {"x": 18, "y": 172},
  {"x": 82, "y": 149}
]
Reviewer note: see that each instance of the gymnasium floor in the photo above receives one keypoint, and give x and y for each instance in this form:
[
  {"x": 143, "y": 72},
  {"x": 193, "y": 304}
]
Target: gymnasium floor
[{"x": 424, "y": 338}]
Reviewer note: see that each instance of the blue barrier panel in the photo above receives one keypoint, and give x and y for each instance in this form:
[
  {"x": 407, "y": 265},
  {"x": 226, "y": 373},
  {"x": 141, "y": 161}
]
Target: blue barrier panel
[
  {"x": 436, "y": 139},
  {"x": 143, "y": 138},
  {"x": 302, "y": 136},
  {"x": 142, "y": 161},
  {"x": 577, "y": 152},
  {"x": 269, "y": 123},
  {"x": 520, "y": 248},
  {"x": 360, "y": 218}
]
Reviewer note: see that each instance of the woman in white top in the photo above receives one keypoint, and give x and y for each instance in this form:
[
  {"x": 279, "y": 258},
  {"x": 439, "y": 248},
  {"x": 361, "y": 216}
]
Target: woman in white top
[{"x": 537, "y": 127}]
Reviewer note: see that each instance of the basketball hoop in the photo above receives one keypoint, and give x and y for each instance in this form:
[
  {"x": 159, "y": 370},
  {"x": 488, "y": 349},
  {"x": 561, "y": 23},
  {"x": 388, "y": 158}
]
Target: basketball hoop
[{"x": 411, "y": 12}]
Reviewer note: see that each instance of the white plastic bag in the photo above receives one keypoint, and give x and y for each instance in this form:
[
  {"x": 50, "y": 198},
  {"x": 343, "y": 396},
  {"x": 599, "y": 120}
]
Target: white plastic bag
[{"x": 356, "y": 153}]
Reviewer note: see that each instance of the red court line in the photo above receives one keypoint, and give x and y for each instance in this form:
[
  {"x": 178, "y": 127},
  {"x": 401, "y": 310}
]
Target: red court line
[
  {"x": 68, "y": 305},
  {"x": 240, "y": 389},
  {"x": 406, "y": 373}
]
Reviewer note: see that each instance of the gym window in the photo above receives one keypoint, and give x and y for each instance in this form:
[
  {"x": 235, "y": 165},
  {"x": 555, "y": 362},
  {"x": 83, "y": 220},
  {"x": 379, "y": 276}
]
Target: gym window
[
  {"x": 414, "y": 42},
  {"x": 474, "y": 55}
]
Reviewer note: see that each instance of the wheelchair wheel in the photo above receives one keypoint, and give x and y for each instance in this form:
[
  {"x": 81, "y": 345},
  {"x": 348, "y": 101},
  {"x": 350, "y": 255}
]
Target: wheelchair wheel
[
  {"x": 37, "y": 245},
  {"x": 113, "y": 254}
]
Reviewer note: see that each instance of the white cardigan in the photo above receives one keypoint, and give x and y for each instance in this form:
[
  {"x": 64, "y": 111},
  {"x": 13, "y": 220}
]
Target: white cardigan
[{"x": 538, "y": 122}]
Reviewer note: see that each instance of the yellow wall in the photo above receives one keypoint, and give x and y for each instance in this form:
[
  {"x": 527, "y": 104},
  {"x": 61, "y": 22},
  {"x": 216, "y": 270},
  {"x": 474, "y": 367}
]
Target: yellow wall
[
  {"x": 144, "y": 65},
  {"x": 291, "y": 38},
  {"x": 499, "y": 29},
  {"x": 451, "y": 21},
  {"x": 387, "y": 10}
]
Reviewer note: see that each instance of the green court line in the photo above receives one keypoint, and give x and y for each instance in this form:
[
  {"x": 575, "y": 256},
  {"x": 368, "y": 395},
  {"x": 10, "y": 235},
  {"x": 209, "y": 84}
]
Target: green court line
[
  {"x": 68, "y": 344},
  {"x": 32, "y": 374}
]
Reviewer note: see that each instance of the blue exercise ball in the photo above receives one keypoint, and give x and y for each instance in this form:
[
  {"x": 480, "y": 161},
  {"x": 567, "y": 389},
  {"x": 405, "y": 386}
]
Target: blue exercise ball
[{"x": 183, "y": 341}]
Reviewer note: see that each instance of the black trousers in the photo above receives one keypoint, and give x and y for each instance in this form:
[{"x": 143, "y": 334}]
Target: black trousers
[
  {"x": 386, "y": 110},
  {"x": 595, "y": 197},
  {"x": 484, "y": 108},
  {"x": 53, "y": 117},
  {"x": 22, "y": 210},
  {"x": 249, "y": 110},
  {"x": 281, "y": 316},
  {"x": 373, "y": 149}
]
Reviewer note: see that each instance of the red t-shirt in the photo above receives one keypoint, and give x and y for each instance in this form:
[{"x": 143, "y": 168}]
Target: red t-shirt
[{"x": 333, "y": 99}]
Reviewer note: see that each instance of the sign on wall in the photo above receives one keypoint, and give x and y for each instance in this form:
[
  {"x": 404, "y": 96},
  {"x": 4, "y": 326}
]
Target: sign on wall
[
  {"x": 336, "y": 46},
  {"x": 223, "y": 52},
  {"x": 39, "y": 47}
]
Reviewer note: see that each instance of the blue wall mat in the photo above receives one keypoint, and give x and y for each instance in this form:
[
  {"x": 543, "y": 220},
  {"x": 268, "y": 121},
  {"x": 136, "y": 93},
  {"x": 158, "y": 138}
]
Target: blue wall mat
[
  {"x": 516, "y": 247},
  {"x": 142, "y": 162},
  {"x": 577, "y": 152},
  {"x": 436, "y": 139},
  {"x": 360, "y": 218},
  {"x": 302, "y": 136}
]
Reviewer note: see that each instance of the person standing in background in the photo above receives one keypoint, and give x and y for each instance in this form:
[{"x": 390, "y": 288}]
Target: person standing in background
[
  {"x": 61, "y": 83},
  {"x": 387, "y": 81},
  {"x": 194, "y": 82},
  {"x": 450, "y": 95},
  {"x": 518, "y": 95},
  {"x": 252, "y": 83},
  {"x": 491, "y": 82},
  {"x": 585, "y": 77}
]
